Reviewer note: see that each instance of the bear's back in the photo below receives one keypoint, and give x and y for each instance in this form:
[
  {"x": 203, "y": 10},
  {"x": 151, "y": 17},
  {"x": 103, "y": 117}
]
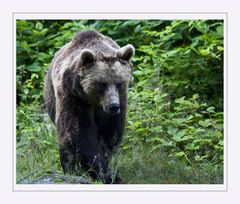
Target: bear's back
[
  {"x": 90, "y": 37},
  {"x": 102, "y": 46},
  {"x": 84, "y": 37}
]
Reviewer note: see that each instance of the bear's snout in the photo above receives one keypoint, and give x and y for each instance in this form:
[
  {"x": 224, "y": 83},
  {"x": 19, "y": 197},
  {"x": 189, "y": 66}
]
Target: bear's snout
[
  {"x": 111, "y": 102},
  {"x": 114, "y": 108}
]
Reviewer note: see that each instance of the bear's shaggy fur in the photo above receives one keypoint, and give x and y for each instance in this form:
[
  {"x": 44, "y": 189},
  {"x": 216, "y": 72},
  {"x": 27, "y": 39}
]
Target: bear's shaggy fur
[{"x": 86, "y": 98}]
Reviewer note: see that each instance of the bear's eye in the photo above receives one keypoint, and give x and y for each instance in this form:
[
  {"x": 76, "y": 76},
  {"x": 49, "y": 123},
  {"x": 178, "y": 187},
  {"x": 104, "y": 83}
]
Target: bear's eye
[
  {"x": 119, "y": 85},
  {"x": 102, "y": 86}
]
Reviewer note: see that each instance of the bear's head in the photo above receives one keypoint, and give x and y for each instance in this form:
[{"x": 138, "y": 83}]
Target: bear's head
[{"x": 104, "y": 82}]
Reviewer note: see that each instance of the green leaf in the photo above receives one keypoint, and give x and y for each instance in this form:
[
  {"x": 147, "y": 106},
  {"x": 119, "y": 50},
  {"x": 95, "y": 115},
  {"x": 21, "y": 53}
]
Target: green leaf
[
  {"x": 189, "y": 117},
  {"x": 171, "y": 131},
  {"x": 220, "y": 29},
  {"x": 43, "y": 57},
  {"x": 138, "y": 73},
  {"x": 137, "y": 28},
  {"x": 157, "y": 129},
  {"x": 171, "y": 53},
  {"x": 39, "y": 26},
  {"x": 195, "y": 96},
  {"x": 205, "y": 123},
  {"x": 35, "y": 67},
  {"x": 220, "y": 48},
  {"x": 204, "y": 52},
  {"x": 165, "y": 142},
  {"x": 218, "y": 134},
  {"x": 180, "y": 154},
  {"x": 199, "y": 158},
  {"x": 180, "y": 100},
  {"x": 178, "y": 137},
  {"x": 211, "y": 109},
  {"x": 44, "y": 31}
]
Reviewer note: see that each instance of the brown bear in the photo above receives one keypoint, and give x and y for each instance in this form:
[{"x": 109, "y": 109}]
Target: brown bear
[{"x": 86, "y": 98}]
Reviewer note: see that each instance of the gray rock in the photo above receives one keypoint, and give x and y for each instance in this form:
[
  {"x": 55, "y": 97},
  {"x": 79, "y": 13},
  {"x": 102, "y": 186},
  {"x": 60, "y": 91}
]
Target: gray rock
[{"x": 57, "y": 179}]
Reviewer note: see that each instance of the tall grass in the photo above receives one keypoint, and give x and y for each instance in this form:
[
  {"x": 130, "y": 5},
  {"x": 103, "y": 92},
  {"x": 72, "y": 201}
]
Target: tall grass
[
  {"x": 37, "y": 148},
  {"x": 37, "y": 156}
]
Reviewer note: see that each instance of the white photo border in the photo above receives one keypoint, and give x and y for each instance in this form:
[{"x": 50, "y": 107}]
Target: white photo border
[{"x": 120, "y": 187}]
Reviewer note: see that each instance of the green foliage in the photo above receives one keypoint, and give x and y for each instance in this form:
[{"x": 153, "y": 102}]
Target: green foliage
[
  {"x": 37, "y": 148},
  {"x": 175, "y": 100},
  {"x": 37, "y": 41},
  {"x": 156, "y": 168},
  {"x": 186, "y": 57},
  {"x": 191, "y": 132}
]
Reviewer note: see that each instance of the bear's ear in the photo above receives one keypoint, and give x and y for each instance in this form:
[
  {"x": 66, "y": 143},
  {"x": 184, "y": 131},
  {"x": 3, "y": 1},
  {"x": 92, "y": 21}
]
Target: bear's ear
[
  {"x": 127, "y": 52},
  {"x": 86, "y": 57}
]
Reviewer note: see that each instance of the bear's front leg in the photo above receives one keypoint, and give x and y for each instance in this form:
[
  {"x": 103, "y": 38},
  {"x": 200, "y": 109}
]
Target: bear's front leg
[
  {"x": 67, "y": 158},
  {"x": 78, "y": 140},
  {"x": 67, "y": 148},
  {"x": 91, "y": 155}
]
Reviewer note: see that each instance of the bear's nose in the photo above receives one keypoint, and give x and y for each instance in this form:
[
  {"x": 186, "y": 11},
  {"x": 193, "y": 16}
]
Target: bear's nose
[{"x": 114, "y": 108}]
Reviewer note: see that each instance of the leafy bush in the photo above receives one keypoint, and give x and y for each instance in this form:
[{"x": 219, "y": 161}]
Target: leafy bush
[{"x": 191, "y": 132}]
